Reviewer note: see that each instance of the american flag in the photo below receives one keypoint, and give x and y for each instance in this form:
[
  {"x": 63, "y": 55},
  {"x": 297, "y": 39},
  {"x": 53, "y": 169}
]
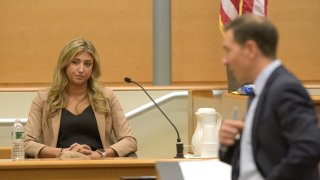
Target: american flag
[{"x": 230, "y": 9}]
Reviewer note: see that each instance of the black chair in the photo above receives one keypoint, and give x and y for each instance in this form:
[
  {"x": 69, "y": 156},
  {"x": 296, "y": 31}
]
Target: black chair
[{"x": 132, "y": 154}]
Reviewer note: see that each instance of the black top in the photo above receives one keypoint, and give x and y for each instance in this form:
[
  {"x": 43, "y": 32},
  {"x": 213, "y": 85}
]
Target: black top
[{"x": 81, "y": 129}]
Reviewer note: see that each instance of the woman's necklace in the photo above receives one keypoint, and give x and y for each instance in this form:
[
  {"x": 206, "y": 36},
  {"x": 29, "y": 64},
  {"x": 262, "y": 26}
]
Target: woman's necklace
[{"x": 77, "y": 102}]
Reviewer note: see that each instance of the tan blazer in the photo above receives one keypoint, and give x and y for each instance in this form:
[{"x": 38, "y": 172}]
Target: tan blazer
[{"x": 40, "y": 133}]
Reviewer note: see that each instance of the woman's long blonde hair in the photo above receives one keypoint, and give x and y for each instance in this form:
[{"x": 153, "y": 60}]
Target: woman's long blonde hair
[{"x": 57, "y": 95}]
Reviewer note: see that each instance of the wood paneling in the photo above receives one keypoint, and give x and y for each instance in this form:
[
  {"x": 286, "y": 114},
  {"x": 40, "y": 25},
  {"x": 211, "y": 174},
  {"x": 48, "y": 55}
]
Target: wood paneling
[
  {"x": 196, "y": 42},
  {"x": 33, "y": 33},
  {"x": 76, "y": 168},
  {"x": 196, "y": 39},
  {"x": 299, "y": 29}
]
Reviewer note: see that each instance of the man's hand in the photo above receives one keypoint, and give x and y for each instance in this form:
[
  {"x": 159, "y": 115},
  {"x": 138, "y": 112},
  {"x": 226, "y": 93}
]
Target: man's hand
[{"x": 230, "y": 131}]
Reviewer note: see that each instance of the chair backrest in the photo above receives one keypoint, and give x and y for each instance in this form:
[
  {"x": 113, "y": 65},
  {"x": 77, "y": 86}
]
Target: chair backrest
[{"x": 132, "y": 154}]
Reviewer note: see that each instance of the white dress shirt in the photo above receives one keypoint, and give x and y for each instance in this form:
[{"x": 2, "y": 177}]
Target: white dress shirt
[{"x": 248, "y": 168}]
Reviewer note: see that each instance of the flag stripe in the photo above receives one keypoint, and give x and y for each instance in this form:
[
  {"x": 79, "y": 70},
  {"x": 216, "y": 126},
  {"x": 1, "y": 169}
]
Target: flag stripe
[
  {"x": 247, "y": 6},
  {"x": 229, "y": 9},
  {"x": 266, "y": 7},
  {"x": 258, "y": 7},
  {"x": 224, "y": 17},
  {"x": 236, "y": 4}
]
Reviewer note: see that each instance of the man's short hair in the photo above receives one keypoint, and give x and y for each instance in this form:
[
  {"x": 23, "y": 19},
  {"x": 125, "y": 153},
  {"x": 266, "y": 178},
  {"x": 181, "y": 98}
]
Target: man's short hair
[{"x": 258, "y": 29}]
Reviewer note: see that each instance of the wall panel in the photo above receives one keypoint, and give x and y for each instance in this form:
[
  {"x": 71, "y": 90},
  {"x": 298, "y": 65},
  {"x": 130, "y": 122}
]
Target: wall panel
[
  {"x": 196, "y": 39},
  {"x": 32, "y": 33}
]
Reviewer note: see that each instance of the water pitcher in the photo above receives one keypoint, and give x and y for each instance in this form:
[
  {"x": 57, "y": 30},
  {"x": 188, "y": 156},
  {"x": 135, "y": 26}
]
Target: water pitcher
[{"x": 205, "y": 137}]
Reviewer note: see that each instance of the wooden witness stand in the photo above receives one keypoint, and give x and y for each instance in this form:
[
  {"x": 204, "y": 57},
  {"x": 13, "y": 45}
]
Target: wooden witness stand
[
  {"x": 115, "y": 168},
  {"x": 54, "y": 168},
  {"x": 107, "y": 168}
]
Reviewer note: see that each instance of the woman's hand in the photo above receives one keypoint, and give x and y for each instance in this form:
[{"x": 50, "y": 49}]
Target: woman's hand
[
  {"x": 86, "y": 150},
  {"x": 109, "y": 152},
  {"x": 95, "y": 155},
  {"x": 81, "y": 148}
]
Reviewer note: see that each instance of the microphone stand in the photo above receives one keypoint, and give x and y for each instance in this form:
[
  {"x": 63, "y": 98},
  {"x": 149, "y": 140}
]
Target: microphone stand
[{"x": 179, "y": 144}]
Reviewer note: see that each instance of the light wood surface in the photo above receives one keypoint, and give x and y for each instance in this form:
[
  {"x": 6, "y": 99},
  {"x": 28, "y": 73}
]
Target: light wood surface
[
  {"x": 129, "y": 88},
  {"x": 108, "y": 168},
  {"x": 147, "y": 86},
  {"x": 76, "y": 169},
  {"x": 33, "y": 33},
  {"x": 5, "y": 152},
  {"x": 197, "y": 41},
  {"x": 299, "y": 39},
  {"x": 316, "y": 100}
]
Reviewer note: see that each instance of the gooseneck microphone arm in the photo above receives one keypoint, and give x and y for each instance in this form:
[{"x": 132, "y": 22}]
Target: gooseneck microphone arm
[
  {"x": 179, "y": 142},
  {"x": 128, "y": 80}
]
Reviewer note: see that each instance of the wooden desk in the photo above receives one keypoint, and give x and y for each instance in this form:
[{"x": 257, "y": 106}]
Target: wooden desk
[
  {"x": 5, "y": 152},
  {"x": 108, "y": 168}
]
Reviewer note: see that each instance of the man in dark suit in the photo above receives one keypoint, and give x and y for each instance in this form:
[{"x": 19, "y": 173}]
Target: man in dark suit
[{"x": 279, "y": 137}]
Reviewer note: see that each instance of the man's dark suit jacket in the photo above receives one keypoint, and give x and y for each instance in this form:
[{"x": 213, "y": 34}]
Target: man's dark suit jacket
[{"x": 285, "y": 136}]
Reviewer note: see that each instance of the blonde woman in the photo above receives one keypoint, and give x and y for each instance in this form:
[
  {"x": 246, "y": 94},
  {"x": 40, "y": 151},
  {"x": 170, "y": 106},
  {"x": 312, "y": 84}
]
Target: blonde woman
[{"x": 77, "y": 114}]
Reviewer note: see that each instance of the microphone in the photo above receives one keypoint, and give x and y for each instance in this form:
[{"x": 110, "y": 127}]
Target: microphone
[{"x": 179, "y": 144}]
